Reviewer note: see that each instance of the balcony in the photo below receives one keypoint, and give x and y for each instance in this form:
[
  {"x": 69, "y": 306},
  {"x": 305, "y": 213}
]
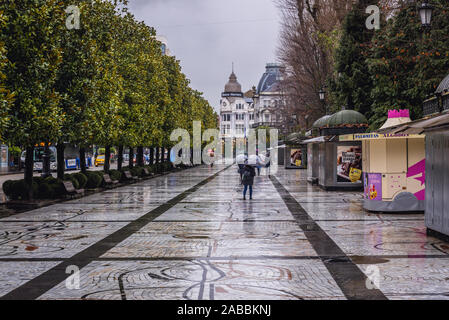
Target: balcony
[{"x": 431, "y": 106}]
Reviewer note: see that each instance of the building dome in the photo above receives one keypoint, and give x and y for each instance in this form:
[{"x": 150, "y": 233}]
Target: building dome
[
  {"x": 444, "y": 85},
  {"x": 321, "y": 122},
  {"x": 347, "y": 117},
  {"x": 271, "y": 76},
  {"x": 233, "y": 86}
]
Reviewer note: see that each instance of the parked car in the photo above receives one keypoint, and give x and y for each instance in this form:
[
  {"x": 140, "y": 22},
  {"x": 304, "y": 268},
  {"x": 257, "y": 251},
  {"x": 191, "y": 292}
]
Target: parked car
[{"x": 99, "y": 160}]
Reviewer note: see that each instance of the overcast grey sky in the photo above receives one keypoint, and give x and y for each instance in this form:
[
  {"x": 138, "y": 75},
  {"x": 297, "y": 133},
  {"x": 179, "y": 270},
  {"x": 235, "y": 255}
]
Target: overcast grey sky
[{"x": 208, "y": 35}]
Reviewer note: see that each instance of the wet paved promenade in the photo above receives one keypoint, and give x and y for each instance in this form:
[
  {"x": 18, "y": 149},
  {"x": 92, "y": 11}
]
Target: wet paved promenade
[{"x": 189, "y": 235}]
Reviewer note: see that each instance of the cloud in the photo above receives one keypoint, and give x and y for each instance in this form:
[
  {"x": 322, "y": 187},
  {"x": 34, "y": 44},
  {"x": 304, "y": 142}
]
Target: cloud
[{"x": 208, "y": 35}]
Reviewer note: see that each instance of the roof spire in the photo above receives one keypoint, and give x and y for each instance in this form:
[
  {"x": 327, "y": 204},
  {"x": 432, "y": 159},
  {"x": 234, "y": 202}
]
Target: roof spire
[{"x": 233, "y": 67}]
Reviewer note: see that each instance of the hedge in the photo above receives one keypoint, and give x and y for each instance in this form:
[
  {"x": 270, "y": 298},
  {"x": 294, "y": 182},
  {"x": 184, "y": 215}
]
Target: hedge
[{"x": 94, "y": 179}]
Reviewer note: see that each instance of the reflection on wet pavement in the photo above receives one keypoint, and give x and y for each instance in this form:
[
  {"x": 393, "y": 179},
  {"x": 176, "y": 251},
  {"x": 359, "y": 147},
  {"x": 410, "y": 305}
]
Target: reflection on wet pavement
[{"x": 199, "y": 240}]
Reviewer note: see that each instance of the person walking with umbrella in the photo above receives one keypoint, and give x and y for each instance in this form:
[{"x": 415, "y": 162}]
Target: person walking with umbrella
[
  {"x": 241, "y": 161},
  {"x": 248, "y": 180}
]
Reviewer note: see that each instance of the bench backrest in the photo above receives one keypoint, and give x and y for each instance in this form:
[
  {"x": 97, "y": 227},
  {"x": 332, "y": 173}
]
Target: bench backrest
[
  {"x": 128, "y": 174},
  {"x": 147, "y": 172},
  {"x": 107, "y": 178},
  {"x": 68, "y": 185}
]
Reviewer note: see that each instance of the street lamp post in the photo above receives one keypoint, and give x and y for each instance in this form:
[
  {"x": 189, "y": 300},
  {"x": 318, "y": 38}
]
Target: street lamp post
[
  {"x": 425, "y": 13},
  {"x": 46, "y": 170},
  {"x": 322, "y": 95}
]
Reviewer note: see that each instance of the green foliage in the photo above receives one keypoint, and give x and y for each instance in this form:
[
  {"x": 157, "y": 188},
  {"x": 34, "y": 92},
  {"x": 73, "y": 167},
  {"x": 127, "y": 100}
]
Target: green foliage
[
  {"x": 31, "y": 37},
  {"x": 7, "y": 187},
  {"x": 105, "y": 84},
  {"x": 50, "y": 180},
  {"x": 93, "y": 180},
  {"x": 6, "y": 97},
  {"x": 58, "y": 188},
  {"x": 82, "y": 179},
  {"x": 115, "y": 175},
  {"x": 14, "y": 151},
  {"x": 351, "y": 87},
  {"x": 406, "y": 64},
  {"x": 137, "y": 171},
  {"x": 19, "y": 190},
  {"x": 45, "y": 191}
]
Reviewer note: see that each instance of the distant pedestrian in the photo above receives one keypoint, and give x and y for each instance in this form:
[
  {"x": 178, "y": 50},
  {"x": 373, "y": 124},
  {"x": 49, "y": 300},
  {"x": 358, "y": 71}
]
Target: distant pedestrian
[
  {"x": 248, "y": 180},
  {"x": 268, "y": 163},
  {"x": 211, "y": 155}
]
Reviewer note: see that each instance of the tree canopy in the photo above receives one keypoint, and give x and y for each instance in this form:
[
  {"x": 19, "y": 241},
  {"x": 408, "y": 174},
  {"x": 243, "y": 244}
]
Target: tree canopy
[{"x": 105, "y": 83}]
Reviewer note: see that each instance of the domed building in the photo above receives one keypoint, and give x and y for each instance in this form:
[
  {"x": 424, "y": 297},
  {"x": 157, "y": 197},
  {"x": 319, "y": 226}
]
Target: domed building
[
  {"x": 236, "y": 110},
  {"x": 268, "y": 98}
]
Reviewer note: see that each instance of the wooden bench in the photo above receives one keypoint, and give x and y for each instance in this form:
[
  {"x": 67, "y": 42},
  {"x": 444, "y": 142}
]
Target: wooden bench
[
  {"x": 129, "y": 176},
  {"x": 108, "y": 181},
  {"x": 71, "y": 190}
]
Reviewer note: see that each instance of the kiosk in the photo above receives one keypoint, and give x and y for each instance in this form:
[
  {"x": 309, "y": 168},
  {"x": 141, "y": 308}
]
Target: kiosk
[
  {"x": 295, "y": 152},
  {"x": 336, "y": 164},
  {"x": 393, "y": 167}
]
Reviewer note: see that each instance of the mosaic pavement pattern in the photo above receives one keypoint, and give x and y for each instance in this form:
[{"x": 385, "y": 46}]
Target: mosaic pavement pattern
[{"x": 189, "y": 235}]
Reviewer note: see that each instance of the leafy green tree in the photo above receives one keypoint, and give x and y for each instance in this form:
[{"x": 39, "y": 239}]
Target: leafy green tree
[
  {"x": 6, "y": 97},
  {"x": 32, "y": 40},
  {"x": 351, "y": 87},
  {"x": 77, "y": 75},
  {"x": 406, "y": 63}
]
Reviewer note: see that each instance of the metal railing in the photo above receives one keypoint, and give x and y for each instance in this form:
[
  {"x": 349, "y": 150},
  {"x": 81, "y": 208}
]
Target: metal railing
[
  {"x": 445, "y": 102},
  {"x": 431, "y": 106}
]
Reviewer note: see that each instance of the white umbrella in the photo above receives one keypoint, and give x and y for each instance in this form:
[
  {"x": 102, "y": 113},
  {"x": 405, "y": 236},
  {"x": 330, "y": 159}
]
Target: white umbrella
[
  {"x": 241, "y": 159},
  {"x": 255, "y": 160}
]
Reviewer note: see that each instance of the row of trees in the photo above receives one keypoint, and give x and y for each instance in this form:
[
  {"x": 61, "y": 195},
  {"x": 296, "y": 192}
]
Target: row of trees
[
  {"x": 106, "y": 83},
  {"x": 371, "y": 71}
]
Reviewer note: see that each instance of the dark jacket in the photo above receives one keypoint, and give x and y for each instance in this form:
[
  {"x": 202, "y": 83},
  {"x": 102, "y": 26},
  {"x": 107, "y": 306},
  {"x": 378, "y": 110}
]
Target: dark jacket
[{"x": 248, "y": 175}]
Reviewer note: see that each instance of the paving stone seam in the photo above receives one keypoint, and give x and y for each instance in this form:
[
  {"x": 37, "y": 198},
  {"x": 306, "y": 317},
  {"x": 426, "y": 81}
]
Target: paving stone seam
[
  {"x": 347, "y": 275},
  {"x": 230, "y": 258}
]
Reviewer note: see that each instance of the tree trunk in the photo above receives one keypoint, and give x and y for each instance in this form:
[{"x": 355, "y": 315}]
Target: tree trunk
[
  {"x": 140, "y": 161},
  {"x": 157, "y": 155},
  {"x": 29, "y": 166},
  {"x": 83, "y": 160},
  {"x": 151, "y": 156},
  {"x": 61, "y": 159},
  {"x": 120, "y": 158},
  {"x": 131, "y": 158},
  {"x": 107, "y": 159}
]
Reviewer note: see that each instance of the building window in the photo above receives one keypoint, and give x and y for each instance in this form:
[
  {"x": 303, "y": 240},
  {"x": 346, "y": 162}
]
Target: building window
[
  {"x": 251, "y": 116},
  {"x": 239, "y": 129},
  {"x": 226, "y": 129},
  {"x": 267, "y": 117},
  {"x": 226, "y": 117},
  {"x": 239, "y": 116}
]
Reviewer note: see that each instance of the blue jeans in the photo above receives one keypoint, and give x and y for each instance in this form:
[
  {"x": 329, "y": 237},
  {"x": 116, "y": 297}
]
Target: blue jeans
[{"x": 245, "y": 188}]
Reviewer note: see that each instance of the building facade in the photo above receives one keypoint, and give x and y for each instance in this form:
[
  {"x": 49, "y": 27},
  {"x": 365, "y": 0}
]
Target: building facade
[
  {"x": 236, "y": 111},
  {"x": 262, "y": 106},
  {"x": 268, "y": 98}
]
